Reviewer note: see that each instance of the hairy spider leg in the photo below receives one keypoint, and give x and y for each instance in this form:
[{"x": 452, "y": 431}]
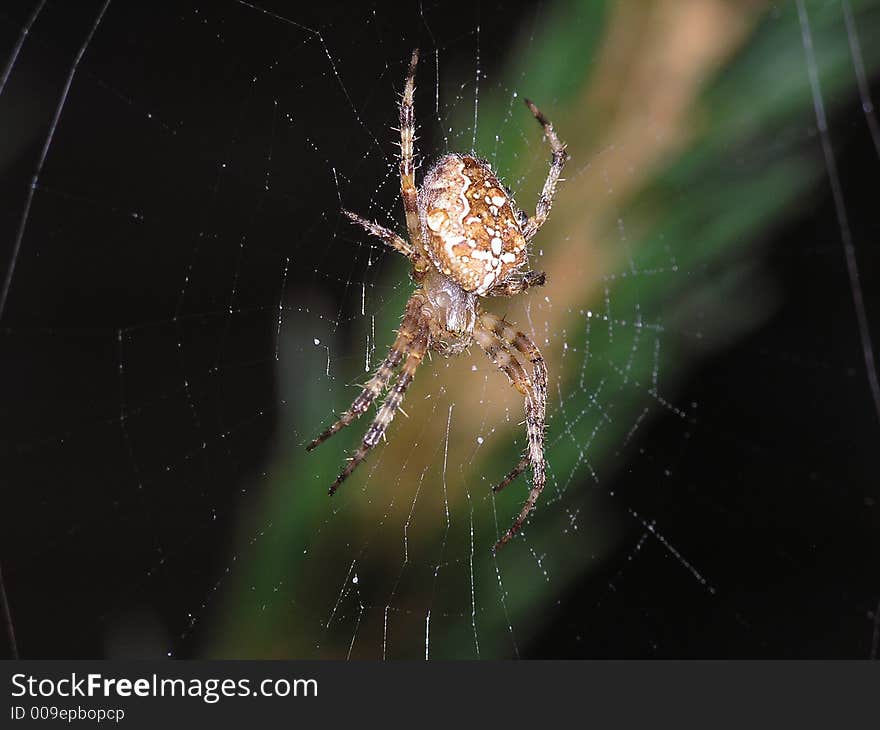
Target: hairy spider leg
[
  {"x": 535, "y": 391},
  {"x": 512, "y": 475},
  {"x": 389, "y": 238},
  {"x": 523, "y": 344},
  {"x": 503, "y": 358},
  {"x": 548, "y": 193},
  {"x": 408, "y": 191},
  {"x": 499, "y": 353},
  {"x": 392, "y": 403},
  {"x": 410, "y": 327}
]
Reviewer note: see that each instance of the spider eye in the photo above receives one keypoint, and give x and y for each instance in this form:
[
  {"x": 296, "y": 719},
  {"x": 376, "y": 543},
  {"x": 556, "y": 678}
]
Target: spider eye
[{"x": 522, "y": 217}]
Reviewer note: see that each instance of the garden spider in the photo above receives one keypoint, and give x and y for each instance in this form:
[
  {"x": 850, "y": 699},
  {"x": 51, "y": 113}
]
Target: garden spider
[{"x": 467, "y": 240}]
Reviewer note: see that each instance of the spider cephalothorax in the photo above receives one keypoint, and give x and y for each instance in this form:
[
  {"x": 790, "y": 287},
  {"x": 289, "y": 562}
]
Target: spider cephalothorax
[{"x": 467, "y": 240}]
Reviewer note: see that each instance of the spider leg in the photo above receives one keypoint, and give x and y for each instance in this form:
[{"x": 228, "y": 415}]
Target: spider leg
[
  {"x": 512, "y": 475},
  {"x": 389, "y": 238},
  {"x": 512, "y": 287},
  {"x": 501, "y": 356},
  {"x": 389, "y": 407},
  {"x": 408, "y": 190},
  {"x": 407, "y": 135},
  {"x": 535, "y": 390},
  {"x": 545, "y": 201},
  {"x": 410, "y": 327}
]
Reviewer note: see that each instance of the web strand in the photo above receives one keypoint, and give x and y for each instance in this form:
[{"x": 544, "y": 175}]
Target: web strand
[
  {"x": 44, "y": 153},
  {"x": 16, "y": 49},
  {"x": 849, "y": 250}
]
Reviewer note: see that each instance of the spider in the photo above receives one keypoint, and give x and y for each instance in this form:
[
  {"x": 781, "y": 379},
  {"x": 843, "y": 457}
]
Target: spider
[{"x": 467, "y": 240}]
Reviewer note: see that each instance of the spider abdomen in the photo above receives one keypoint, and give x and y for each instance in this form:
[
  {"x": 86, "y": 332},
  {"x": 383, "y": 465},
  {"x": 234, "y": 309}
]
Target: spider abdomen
[{"x": 469, "y": 224}]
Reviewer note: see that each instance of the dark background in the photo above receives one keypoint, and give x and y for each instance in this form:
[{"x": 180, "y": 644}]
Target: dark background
[{"x": 786, "y": 434}]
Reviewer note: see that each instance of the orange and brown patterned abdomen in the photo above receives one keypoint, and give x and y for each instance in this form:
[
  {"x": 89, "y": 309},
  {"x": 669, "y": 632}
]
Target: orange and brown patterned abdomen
[{"x": 469, "y": 224}]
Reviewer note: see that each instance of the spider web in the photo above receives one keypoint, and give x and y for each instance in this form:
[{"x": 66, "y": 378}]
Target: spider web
[{"x": 184, "y": 307}]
